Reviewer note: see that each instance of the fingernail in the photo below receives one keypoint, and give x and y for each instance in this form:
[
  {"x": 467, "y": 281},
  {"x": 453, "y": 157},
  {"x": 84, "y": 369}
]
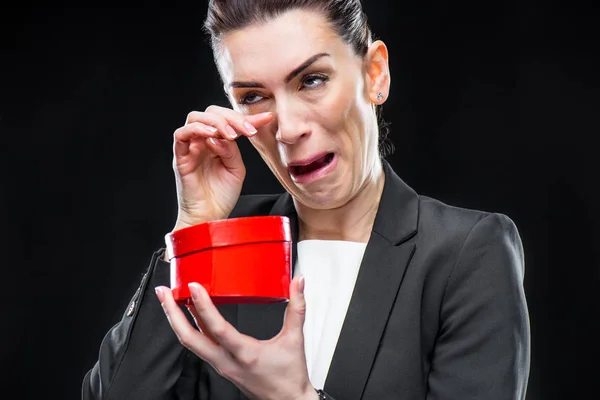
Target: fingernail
[
  {"x": 159, "y": 293},
  {"x": 194, "y": 291},
  {"x": 266, "y": 113},
  {"x": 301, "y": 284},
  {"x": 214, "y": 141},
  {"x": 249, "y": 128},
  {"x": 231, "y": 132},
  {"x": 211, "y": 128}
]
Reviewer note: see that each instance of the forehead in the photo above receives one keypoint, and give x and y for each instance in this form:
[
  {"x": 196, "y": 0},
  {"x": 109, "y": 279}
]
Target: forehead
[{"x": 265, "y": 51}]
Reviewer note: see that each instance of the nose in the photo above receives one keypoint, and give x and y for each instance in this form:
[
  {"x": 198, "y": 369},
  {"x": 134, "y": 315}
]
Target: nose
[{"x": 292, "y": 122}]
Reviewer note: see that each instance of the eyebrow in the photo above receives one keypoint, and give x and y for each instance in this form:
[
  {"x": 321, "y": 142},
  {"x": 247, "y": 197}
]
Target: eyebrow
[{"x": 288, "y": 78}]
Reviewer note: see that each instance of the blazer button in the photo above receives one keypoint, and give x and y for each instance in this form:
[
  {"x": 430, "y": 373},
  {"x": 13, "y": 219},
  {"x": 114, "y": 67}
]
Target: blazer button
[{"x": 131, "y": 309}]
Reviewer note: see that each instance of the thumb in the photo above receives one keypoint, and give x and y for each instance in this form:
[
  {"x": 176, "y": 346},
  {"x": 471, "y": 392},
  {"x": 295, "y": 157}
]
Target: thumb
[{"x": 296, "y": 309}]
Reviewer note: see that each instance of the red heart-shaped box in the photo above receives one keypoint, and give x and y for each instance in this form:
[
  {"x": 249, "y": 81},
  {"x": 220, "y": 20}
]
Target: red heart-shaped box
[{"x": 237, "y": 260}]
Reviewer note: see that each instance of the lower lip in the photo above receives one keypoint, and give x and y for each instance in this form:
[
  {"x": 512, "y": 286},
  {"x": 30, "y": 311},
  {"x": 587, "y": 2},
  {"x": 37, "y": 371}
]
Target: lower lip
[{"x": 317, "y": 174}]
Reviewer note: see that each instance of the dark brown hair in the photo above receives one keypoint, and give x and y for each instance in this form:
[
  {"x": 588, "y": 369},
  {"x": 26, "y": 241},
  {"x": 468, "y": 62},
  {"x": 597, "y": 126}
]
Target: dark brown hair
[{"x": 346, "y": 17}]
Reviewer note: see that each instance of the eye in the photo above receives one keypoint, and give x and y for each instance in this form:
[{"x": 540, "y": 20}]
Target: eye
[
  {"x": 314, "y": 80},
  {"x": 250, "y": 98}
]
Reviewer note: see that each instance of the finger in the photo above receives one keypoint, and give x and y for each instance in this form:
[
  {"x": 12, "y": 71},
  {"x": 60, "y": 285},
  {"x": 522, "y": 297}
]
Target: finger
[
  {"x": 259, "y": 120},
  {"x": 214, "y": 323},
  {"x": 199, "y": 323},
  {"x": 246, "y": 125},
  {"x": 194, "y": 130},
  {"x": 230, "y": 155},
  {"x": 295, "y": 311},
  {"x": 216, "y": 120},
  {"x": 188, "y": 336},
  {"x": 185, "y": 134}
]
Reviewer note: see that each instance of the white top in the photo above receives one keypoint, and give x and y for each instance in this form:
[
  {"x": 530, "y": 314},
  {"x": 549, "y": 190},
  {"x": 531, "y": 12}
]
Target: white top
[{"x": 330, "y": 268}]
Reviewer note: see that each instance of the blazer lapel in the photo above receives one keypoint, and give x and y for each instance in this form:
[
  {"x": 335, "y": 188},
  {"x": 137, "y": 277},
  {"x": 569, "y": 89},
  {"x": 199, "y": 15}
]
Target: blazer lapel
[{"x": 384, "y": 263}]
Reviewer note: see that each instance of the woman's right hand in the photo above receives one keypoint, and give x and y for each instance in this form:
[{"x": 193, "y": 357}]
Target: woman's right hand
[{"x": 209, "y": 171}]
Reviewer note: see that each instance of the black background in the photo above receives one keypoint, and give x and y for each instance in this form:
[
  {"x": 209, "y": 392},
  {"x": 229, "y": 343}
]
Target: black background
[{"x": 494, "y": 105}]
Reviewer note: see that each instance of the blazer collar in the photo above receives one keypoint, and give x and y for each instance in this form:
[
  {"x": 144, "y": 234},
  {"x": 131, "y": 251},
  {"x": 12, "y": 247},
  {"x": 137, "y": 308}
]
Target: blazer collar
[{"x": 398, "y": 214}]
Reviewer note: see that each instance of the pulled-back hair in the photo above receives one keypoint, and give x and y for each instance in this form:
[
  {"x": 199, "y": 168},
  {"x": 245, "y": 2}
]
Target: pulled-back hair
[{"x": 345, "y": 16}]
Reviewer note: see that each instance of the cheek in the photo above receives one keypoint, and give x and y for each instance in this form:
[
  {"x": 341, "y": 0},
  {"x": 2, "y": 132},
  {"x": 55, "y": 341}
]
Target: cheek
[
  {"x": 266, "y": 145},
  {"x": 260, "y": 107},
  {"x": 334, "y": 111},
  {"x": 342, "y": 116}
]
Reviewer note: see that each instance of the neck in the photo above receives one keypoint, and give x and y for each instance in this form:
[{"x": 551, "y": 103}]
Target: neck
[{"x": 351, "y": 222}]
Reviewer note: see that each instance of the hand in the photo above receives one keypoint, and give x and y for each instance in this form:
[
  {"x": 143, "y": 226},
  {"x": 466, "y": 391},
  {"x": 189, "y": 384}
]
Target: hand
[
  {"x": 209, "y": 171},
  {"x": 262, "y": 369}
]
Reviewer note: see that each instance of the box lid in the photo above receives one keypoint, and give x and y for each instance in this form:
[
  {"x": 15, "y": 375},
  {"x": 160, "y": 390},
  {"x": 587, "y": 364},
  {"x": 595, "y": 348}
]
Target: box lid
[{"x": 228, "y": 232}]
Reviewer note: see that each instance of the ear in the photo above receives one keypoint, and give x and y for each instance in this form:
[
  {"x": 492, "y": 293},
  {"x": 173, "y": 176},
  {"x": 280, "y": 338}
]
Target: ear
[{"x": 378, "y": 72}]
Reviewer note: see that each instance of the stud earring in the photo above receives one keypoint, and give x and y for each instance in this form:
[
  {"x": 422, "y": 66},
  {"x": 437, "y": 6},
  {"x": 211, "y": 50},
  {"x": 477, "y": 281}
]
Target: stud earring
[{"x": 379, "y": 96}]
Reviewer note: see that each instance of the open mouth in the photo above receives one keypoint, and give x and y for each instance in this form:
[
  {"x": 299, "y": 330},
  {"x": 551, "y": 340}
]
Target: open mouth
[{"x": 305, "y": 170}]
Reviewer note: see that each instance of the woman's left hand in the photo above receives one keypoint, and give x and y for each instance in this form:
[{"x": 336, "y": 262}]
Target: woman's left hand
[{"x": 262, "y": 369}]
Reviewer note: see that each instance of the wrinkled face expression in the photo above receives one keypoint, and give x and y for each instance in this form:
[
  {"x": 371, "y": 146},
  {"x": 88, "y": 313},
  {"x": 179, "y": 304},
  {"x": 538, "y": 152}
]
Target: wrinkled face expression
[{"x": 322, "y": 142}]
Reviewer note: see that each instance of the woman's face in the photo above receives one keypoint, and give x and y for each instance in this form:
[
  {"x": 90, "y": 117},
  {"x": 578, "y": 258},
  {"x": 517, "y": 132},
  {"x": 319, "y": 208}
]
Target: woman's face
[{"x": 322, "y": 142}]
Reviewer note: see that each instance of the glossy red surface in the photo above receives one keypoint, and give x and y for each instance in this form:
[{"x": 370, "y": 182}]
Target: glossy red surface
[{"x": 238, "y": 260}]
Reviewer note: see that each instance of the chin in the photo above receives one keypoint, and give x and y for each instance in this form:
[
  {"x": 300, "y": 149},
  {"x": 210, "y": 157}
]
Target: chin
[{"x": 325, "y": 199}]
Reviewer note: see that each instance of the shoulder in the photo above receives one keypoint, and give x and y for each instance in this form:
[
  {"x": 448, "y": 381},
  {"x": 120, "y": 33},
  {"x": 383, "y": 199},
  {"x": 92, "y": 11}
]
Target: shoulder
[
  {"x": 461, "y": 241},
  {"x": 481, "y": 242},
  {"x": 437, "y": 218},
  {"x": 476, "y": 256},
  {"x": 254, "y": 205}
]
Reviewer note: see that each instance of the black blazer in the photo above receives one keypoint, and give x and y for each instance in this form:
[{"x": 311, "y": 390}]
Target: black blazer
[{"x": 438, "y": 313}]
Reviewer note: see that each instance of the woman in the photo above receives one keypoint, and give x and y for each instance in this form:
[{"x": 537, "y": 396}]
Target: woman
[{"x": 394, "y": 296}]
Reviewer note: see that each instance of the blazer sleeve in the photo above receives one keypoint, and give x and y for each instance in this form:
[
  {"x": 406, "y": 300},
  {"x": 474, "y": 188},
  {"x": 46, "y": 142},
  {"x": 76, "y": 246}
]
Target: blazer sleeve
[
  {"x": 483, "y": 347},
  {"x": 140, "y": 357}
]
